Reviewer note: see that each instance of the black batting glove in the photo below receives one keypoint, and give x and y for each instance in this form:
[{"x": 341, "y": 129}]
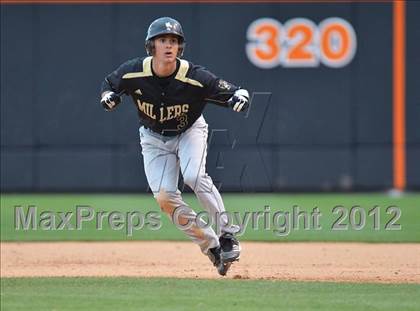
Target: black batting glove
[
  {"x": 110, "y": 100},
  {"x": 239, "y": 102}
]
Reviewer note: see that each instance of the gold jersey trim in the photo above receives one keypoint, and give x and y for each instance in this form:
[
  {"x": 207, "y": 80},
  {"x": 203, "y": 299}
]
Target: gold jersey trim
[
  {"x": 182, "y": 73},
  {"x": 147, "y": 70}
]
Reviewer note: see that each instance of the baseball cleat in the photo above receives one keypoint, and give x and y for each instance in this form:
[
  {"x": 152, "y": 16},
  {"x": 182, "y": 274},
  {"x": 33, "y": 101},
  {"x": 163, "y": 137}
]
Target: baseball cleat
[
  {"x": 214, "y": 256},
  {"x": 223, "y": 268},
  {"x": 230, "y": 248}
]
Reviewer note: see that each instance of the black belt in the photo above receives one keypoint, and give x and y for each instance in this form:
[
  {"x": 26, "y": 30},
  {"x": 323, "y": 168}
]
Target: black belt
[{"x": 169, "y": 133}]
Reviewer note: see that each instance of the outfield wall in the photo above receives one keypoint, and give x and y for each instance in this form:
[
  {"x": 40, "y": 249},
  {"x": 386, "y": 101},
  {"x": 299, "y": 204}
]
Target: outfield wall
[{"x": 321, "y": 115}]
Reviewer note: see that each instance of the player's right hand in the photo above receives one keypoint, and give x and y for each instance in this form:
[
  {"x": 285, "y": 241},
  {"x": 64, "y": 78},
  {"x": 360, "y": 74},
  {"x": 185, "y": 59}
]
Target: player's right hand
[
  {"x": 110, "y": 100},
  {"x": 239, "y": 101}
]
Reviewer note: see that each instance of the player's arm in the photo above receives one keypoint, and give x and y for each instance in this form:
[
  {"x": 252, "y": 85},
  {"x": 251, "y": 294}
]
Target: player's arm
[
  {"x": 113, "y": 87},
  {"x": 223, "y": 93}
]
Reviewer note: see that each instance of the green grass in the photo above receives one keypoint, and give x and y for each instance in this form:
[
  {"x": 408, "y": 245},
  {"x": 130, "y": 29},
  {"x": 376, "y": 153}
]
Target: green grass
[
  {"x": 186, "y": 294},
  {"x": 408, "y": 204}
]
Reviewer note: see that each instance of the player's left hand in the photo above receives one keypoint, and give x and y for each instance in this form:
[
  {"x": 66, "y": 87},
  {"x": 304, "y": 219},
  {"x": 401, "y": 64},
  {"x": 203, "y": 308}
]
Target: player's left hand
[
  {"x": 110, "y": 100},
  {"x": 239, "y": 101}
]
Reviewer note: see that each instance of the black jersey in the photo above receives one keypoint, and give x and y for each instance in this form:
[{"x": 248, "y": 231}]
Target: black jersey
[{"x": 168, "y": 105}]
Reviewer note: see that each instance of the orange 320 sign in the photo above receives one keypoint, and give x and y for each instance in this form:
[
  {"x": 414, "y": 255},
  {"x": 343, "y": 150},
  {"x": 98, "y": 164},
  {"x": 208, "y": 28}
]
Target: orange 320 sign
[{"x": 301, "y": 43}]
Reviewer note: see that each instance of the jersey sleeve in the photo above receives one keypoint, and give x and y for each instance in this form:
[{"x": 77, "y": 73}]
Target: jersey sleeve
[
  {"x": 216, "y": 90},
  {"x": 114, "y": 82}
]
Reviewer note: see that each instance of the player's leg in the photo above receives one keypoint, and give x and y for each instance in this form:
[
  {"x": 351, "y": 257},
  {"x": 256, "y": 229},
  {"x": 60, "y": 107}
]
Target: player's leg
[
  {"x": 161, "y": 166},
  {"x": 192, "y": 153}
]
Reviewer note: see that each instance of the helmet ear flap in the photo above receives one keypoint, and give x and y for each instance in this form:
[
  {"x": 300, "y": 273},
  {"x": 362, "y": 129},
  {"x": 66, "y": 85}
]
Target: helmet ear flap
[
  {"x": 150, "y": 46},
  {"x": 181, "y": 49}
]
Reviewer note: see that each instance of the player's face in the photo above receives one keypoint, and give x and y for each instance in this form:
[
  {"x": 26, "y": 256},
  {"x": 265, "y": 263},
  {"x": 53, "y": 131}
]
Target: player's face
[{"x": 166, "y": 48}]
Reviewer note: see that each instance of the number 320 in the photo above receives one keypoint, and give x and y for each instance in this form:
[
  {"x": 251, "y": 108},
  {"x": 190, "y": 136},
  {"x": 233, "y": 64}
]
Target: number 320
[{"x": 300, "y": 43}]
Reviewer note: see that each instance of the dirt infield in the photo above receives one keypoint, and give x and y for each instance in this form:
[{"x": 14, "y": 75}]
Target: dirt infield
[{"x": 353, "y": 262}]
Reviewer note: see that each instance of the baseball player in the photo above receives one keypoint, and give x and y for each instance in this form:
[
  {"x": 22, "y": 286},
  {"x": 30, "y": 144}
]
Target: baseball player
[{"x": 170, "y": 94}]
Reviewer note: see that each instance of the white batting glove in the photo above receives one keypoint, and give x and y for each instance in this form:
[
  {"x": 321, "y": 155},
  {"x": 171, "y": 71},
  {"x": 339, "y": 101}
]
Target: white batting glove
[
  {"x": 110, "y": 100},
  {"x": 239, "y": 101}
]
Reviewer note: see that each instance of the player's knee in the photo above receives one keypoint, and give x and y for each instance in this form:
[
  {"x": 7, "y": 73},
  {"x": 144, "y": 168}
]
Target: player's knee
[
  {"x": 191, "y": 180},
  {"x": 198, "y": 182},
  {"x": 166, "y": 201}
]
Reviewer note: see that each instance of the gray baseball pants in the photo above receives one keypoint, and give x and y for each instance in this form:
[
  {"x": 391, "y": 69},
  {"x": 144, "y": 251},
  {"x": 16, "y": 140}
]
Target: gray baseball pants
[{"x": 164, "y": 158}]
